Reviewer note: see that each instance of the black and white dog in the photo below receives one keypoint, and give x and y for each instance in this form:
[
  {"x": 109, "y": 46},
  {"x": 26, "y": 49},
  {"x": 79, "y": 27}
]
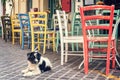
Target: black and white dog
[{"x": 36, "y": 64}]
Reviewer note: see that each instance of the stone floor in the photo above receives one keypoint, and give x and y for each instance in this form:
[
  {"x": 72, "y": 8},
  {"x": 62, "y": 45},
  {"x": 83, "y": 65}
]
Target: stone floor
[{"x": 13, "y": 60}]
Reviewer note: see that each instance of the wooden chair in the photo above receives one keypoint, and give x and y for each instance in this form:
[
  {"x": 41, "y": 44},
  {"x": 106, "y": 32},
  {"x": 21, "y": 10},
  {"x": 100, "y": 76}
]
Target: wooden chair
[
  {"x": 66, "y": 38},
  {"x": 76, "y": 29},
  {"x": 109, "y": 51},
  {"x": 16, "y": 31},
  {"x": 6, "y": 25},
  {"x": 56, "y": 29},
  {"x": 40, "y": 33},
  {"x": 103, "y": 22},
  {"x": 25, "y": 29}
]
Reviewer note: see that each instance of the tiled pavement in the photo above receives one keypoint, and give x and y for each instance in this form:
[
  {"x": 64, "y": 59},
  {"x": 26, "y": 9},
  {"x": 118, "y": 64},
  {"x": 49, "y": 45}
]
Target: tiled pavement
[{"x": 13, "y": 60}]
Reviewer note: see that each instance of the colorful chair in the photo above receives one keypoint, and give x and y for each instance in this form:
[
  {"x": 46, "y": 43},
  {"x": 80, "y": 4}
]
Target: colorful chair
[
  {"x": 76, "y": 29},
  {"x": 56, "y": 29},
  {"x": 103, "y": 22},
  {"x": 65, "y": 38},
  {"x": 6, "y": 25},
  {"x": 109, "y": 51},
  {"x": 25, "y": 29},
  {"x": 40, "y": 33},
  {"x": 16, "y": 31}
]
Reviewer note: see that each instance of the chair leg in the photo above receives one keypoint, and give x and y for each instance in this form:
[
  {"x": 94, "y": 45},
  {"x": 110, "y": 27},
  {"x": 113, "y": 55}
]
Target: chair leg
[
  {"x": 86, "y": 58},
  {"x": 66, "y": 52},
  {"x": 107, "y": 66},
  {"x": 22, "y": 40},
  {"x": 29, "y": 41},
  {"x": 48, "y": 41},
  {"x": 13, "y": 38},
  {"x": 91, "y": 44},
  {"x": 77, "y": 45},
  {"x": 108, "y": 61},
  {"x": 5, "y": 34},
  {"x": 38, "y": 40},
  {"x": 44, "y": 43},
  {"x": 53, "y": 39},
  {"x": 57, "y": 41},
  {"x": 62, "y": 53},
  {"x": 33, "y": 42},
  {"x": 113, "y": 59},
  {"x": 113, "y": 54}
]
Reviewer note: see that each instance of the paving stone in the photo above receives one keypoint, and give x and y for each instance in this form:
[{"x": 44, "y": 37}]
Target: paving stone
[{"x": 13, "y": 60}]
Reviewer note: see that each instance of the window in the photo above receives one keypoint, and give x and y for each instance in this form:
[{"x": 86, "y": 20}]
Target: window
[{"x": 89, "y": 2}]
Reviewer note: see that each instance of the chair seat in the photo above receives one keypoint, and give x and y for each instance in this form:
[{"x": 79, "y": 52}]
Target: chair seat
[
  {"x": 40, "y": 32},
  {"x": 97, "y": 39},
  {"x": 27, "y": 31},
  {"x": 73, "y": 39},
  {"x": 17, "y": 30}
]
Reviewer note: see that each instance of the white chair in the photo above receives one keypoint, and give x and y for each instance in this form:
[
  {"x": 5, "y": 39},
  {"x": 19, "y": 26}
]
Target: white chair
[
  {"x": 56, "y": 29},
  {"x": 66, "y": 38}
]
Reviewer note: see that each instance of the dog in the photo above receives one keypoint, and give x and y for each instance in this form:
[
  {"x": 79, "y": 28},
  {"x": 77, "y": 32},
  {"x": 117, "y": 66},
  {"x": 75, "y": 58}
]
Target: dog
[{"x": 37, "y": 64}]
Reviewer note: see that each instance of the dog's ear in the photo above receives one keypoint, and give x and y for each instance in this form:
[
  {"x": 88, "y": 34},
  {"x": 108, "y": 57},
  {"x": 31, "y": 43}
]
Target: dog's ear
[
  {"x": 38, "y": 56},
  {"x": 28, "y": 54}
]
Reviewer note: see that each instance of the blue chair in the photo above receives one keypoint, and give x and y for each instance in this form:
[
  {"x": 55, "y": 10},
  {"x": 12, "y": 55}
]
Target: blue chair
[{"x": 25, "y": 29}]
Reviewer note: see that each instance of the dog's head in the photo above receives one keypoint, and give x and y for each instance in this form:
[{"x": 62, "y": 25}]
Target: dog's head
[{"x": 34, "y": 57}]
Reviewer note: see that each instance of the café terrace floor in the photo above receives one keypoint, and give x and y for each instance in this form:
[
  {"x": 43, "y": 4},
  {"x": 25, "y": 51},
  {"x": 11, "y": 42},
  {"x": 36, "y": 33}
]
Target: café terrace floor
[{"x": 13, "y": 60}]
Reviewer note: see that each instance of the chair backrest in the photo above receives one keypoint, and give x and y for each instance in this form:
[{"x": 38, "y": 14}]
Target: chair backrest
[
  {"x": 6, "y": 20},
  {"x": 6, "y": 23},
  {"x": 55, "y": 22},
  {"x": 62, "y": 21},
  {"x": 106, "y": 12},
  {"x": 15, "y": 22},
  {"x": 85, "y": 18},
  {"x": 38, "y": 21},
  {"x": 24, "y": 22}
]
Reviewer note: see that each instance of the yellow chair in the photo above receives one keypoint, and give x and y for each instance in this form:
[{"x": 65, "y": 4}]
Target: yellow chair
[
  {"x": 16, "y": 31},
  {"x": 40, "y": 33}
]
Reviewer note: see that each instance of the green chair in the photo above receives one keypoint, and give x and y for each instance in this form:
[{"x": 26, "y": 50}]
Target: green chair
[
  {"x": 100, "y": 33},
  {"x": 56, "y": 29},
  {"x": 76, "y": 29}
]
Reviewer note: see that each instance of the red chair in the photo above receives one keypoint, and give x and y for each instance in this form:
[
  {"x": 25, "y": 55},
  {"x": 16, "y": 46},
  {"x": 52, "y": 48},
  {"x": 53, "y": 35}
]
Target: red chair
[{"x": 106, "y": 53}]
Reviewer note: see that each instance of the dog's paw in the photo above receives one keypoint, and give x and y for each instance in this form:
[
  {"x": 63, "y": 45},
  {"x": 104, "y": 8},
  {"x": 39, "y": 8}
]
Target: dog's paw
[
  {"x": 28, "y": 74},
  {"x": 31, "y": 73},
  {"x": 24, "y": 71}
]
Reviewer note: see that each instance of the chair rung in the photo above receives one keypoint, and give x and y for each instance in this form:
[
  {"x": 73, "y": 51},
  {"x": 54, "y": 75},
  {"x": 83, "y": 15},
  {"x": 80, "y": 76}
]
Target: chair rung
[
  {"x": 100, "y": 56},
  {"x": 16, "y": 37},
  {"x": 74, "y": 54},
  {"x": 96, "y": 49},
  {"x": 74, "y": 51}
]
